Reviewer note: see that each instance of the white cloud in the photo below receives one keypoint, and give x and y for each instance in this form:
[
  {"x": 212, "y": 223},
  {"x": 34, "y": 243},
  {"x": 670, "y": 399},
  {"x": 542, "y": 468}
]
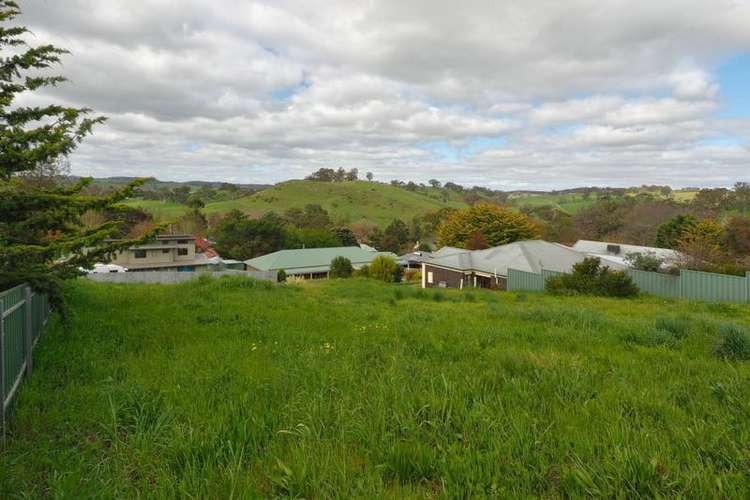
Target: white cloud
[{"x": 581, "y": 92}]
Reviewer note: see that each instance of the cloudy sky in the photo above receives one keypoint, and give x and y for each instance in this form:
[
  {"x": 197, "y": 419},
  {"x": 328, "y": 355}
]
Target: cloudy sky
[{"x": 509, "y": 94}]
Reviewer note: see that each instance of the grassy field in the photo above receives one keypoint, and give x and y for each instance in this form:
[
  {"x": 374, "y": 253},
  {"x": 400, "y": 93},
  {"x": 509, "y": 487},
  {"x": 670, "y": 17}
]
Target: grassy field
[
  {"x": 569, "y": 203},
  {"x": 346, "y": 201},
  {"x": 355, "y": 389}
]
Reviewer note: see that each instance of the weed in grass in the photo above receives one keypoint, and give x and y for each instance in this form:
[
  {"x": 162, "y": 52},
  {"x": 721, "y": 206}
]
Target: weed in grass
[
  {"x": 734, "y": 343},
  {"x": 437, "y": 296},
  {"x": 677, "y": 327},
  {"x": 469, "y": 297},
  {"x": 398, "y": 294}
]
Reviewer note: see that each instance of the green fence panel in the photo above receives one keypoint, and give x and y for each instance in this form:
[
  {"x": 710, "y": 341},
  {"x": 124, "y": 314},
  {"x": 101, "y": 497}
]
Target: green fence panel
[
  {"x": 15, "y": 346},
  {"x": 659, "y": 284},
  {"x": 22, "y": 318},
  {"x": 523, "y": 280},
  {"x": 11, "y": 297},
  {"x": 698, "y": 285}
]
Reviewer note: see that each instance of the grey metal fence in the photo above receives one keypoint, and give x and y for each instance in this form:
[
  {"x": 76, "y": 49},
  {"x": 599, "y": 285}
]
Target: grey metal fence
[
  {"x": 524, "y": 280},
  {"x": 691, "y": 285},
  {"x": 23, "y": 315}
]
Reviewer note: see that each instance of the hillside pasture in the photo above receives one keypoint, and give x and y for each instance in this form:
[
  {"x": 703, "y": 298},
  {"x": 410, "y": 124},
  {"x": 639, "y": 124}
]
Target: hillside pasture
[
  {"x": 345, "y": 201},
  {"x": 356, "y": 389}
]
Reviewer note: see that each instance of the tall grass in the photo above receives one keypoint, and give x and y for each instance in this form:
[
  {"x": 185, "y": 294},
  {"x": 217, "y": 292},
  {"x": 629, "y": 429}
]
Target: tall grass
[{"x": 237, "y": 389}]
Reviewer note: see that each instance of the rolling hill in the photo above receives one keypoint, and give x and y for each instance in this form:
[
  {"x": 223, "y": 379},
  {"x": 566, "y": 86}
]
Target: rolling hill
[
  {"x": 352, "y": 201},
  {"x": 345, "y": 201}
]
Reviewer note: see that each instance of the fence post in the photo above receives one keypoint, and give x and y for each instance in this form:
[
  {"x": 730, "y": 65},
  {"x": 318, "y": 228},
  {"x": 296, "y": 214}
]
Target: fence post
[
  {"x": 2, "y": 368},
  {"x": 29, "y": 330}
]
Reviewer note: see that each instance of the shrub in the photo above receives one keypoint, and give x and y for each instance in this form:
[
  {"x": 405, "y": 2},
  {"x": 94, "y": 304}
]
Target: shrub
[
  {"x": 734, "y": 343},
  {"x": 589, "y": 277},
  {"x": 644, "y": 261},
  {"x": 363, "y": 272},
  {"x": 341, "y": 267},
  {"x": 415, "y": 277},
  {"x": 385, "y": 268},
  {"x": 281, "y": 276}
]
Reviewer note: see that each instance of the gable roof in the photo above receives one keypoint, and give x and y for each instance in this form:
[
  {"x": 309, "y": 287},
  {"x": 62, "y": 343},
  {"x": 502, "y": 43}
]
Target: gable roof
[
  {"x": 312, "y": 259},
  {"x": 531, "y": 256}
]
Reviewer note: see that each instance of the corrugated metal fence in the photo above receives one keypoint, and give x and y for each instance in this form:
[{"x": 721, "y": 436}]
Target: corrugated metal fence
[
  {"x": 692, "y": 285},
  {"x": 23, "y": 315}
]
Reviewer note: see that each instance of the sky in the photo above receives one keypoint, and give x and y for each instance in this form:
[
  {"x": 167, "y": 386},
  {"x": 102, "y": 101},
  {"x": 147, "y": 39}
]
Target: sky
[{"x": 512, "y": 94}]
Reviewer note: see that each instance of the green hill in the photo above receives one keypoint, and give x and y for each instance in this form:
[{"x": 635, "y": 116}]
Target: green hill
[{"x": 345, "y": 201}]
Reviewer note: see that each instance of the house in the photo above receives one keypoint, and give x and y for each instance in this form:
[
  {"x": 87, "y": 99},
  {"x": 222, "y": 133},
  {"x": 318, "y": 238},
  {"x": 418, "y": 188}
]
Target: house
[
  {"x": 616, "y": 253},
  {"x": 459, "y": 268},
  {"x": 312, "y": 263},
  {"x": 414, "y": 260},
  {"x": 170, "y": 252}
]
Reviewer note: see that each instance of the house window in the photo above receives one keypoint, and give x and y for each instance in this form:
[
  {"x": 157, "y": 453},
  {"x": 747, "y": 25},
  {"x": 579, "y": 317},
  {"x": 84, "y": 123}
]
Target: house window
[
  {"x": 165, "y": 250},
  {"x": 430, "y": 278},
  {"x": 140, "y": 254},
  {"x": 182, "y": 251}
]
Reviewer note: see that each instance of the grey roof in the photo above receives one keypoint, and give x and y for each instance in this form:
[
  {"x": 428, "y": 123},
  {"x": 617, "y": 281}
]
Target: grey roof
[
  {"x": 446, "y": 251},
  {"x": 531, "y": 256},
  {"x": 416, "y": 256}
]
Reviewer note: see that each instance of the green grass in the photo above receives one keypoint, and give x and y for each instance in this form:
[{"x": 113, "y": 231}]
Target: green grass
[
  {"x": 355, "y": 389},
  {"x": 346, "y": 201},
  {"x": 161, "y": 210},
  {"x": 569, "y": 203}
]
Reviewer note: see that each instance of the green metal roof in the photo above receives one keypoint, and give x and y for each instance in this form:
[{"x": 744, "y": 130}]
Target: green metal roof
[{"x": 312, "y": 259}]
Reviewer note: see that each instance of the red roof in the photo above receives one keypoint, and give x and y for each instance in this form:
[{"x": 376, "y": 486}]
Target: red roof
[{"x": 205, "y": 246}]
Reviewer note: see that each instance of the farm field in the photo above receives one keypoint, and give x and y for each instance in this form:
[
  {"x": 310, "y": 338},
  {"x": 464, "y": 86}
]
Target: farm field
[
  {"x": 234, "y": 388},
  {"x": 345, "y": 201}
]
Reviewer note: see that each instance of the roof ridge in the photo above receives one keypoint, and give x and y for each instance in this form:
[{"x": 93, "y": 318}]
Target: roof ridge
[{"x": 527, "y": 256}]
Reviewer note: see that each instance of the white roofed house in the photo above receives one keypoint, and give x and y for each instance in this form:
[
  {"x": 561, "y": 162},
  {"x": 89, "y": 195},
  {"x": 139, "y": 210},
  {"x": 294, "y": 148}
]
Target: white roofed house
[
  {"x": 617, "y": 253},
  {"x": 459, "y": 268}
]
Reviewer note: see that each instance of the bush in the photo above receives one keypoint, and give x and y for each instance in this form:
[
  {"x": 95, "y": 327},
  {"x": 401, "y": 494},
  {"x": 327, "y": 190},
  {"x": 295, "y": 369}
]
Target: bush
[
  {"x": 734, "y": 343},
  {"x": 589, "y": 277},
  {"x": 385, "y": 268},
  {"x": 281, "y": 276},
  {"x": 363, "y": 272},
  {"x": 415, "y": 277},
  {"x": 644, "y": 261},
  {"x": 341, "y": 267}
]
